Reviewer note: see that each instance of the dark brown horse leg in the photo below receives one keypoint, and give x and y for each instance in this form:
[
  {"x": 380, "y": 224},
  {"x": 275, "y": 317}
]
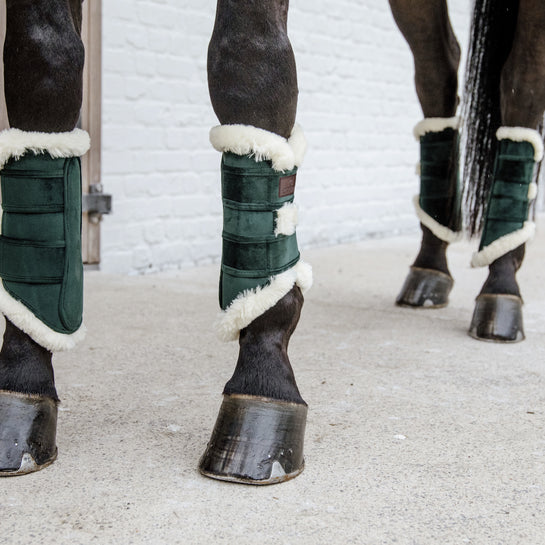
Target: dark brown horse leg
[
  {"x": 498, "y": 311},
  {"x": 426, "y": 27},
  {"x": 43, "y": 62},
  {"x": 258, "y": 437}
]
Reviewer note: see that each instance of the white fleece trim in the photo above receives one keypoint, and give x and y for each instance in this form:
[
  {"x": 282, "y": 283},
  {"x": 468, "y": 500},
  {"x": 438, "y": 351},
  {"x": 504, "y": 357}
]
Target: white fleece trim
[
  {"x": 532, "y": 191},
  {"x": 251, "y": 304},
  {"x": 523, "y": 134},
  {"x": 15, "y": 143},
  {"x": 440, "y": 231},
  {"x": 286, "y": 219},
  {"x": 20, "y": 316},
  {"x": 503, "y": 245},
  {"x": 285, "y": 154},
  {"x": 435, "y": 124}
]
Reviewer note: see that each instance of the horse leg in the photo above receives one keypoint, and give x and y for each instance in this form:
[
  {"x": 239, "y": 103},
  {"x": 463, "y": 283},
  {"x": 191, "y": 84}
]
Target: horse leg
[
  {"x": 258, "y": 437},
  {"x": 426, "y": 27},
  {"x": 40, "y": 264},
  {"x": 498, "y": 310}
]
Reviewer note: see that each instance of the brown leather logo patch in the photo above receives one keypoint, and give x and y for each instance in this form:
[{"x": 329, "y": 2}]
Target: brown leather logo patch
[{"x": 286, "y": 186}]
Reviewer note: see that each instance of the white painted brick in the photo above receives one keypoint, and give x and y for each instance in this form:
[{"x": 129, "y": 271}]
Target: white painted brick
[{"x": 357, "y": 105}]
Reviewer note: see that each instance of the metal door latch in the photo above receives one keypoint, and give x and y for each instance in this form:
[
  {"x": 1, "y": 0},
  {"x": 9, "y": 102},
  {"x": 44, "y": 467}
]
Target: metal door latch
[{"x": 96, "y": 203}]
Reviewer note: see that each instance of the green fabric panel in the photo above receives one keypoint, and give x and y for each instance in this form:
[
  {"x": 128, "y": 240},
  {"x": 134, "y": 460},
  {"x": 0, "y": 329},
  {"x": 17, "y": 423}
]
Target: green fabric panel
[
  {"x": 507, "y": 189},
  {"x": 270, "y": 257},
  {"x": 29, "y": 226},
  {"x": 235, "y": 220},
  {"x": 439, "y": 178},
  {"x": 24, "y": 195},
  {"x": 507, "y": 208},
  {"x": 31, "y": 262},
  {"x": 41, "y": 299},
  {"x": 252, "y": 192},
  {"x": 514, "y": 171},
  {"x": 232, "y": 285},
  {"x": 40, "y": 257},
  {"x": 243, "y": 180},
  {"x": 437, "y": 172}
]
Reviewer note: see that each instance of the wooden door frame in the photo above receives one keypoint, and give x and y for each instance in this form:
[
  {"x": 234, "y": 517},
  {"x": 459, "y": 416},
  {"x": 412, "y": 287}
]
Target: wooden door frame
[{"x": 91, "y": 121}]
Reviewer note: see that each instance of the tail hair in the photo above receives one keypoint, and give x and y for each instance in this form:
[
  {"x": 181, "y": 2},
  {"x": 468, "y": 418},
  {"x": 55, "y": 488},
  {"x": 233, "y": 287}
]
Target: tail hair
[{"x": 491, "y": 38}]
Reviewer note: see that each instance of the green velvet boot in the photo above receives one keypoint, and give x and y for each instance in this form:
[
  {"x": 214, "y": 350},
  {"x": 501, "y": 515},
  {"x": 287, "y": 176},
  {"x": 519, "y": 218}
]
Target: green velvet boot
[
  {"x": 498, "y": 317},
  {"x": 437, "y": 207},
  {"x": 260, "y": 257},
  {"x": 41, "y": 270}
]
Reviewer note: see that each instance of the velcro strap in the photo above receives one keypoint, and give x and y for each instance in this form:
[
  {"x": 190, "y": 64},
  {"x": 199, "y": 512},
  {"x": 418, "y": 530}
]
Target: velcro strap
[
  {"x": 434, "y": 170},
  {"x": 517, "y": 191},
  {"x": 268, "y": 256},
  {"x": 514, "y": 170},
  {"x": 244, "y": 180},
  {"x": 31, "y": 262},
  {"x": 32, "y": 195},
  {"x": 506, "y": 209},
  {"x": 247, "y": 218}
]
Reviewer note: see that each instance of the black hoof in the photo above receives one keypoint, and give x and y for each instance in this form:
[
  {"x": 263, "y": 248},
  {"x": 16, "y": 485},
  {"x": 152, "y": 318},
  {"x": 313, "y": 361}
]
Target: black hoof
[
  {"x": 425, "y": 288},
  {"x": 497, "y": 318},
  {"x": 256, "y": 440},
  {"x": 28, "y": 429}
]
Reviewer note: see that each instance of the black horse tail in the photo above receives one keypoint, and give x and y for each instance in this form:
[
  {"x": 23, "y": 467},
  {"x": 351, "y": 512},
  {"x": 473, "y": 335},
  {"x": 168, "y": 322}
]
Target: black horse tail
[{"x": 491, "y": 39}]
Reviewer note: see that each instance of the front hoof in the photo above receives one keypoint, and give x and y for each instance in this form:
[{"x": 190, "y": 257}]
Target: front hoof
[
  {"x": 497, "y": 318},
  {"x": 28, "y": 429},
  {"x": 256, "y": 440},
  {"x": 425, "y": 288}
]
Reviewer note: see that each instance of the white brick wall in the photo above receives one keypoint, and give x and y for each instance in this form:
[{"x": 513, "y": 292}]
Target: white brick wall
[{"x": 357, "y": 106}]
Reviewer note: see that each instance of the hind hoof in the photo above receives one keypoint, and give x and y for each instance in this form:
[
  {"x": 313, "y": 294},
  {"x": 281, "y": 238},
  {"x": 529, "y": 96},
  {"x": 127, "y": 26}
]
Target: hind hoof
[
  {"x": 425, "y": 288},
  {"x": 497, "y": 318},
  {"x": 256, "y": 440},
  {"x": 28, "y": 429}
]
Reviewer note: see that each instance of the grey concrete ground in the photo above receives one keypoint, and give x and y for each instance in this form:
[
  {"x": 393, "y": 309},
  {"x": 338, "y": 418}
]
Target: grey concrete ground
[{"x": 417, "y": 434}]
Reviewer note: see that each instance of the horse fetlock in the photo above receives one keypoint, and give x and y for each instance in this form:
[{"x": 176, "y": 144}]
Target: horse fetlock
[
  {"x": 263, "y": 366},
  {"x": 25, "y": 366},
  {"x": 502, "y": 274}
]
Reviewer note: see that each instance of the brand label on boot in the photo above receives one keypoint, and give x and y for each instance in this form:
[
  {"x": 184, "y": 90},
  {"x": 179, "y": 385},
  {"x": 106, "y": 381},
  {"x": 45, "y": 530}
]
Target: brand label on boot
[{"x": 286, "y": 186}]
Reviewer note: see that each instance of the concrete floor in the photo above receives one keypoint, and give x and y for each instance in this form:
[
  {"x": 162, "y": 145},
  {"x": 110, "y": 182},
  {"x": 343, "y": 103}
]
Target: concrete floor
[{"x": 417, "y": 434}]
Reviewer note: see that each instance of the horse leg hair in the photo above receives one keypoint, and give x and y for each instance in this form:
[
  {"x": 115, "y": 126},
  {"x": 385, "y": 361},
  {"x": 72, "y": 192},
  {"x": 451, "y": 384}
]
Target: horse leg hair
[
  {"x": 43, "y": 64},
  {"x": 426, "y": 26},
  {"x": 253, "y": 81}
]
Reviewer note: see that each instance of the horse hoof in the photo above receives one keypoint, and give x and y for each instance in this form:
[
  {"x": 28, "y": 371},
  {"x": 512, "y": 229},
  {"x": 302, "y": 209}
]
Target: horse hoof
[
  {"x": 497, "y": 318},
  {"x": 425, "y": 288},
  {"x": 28, "y": 429},
  {"x": 256, "y": 440}
]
